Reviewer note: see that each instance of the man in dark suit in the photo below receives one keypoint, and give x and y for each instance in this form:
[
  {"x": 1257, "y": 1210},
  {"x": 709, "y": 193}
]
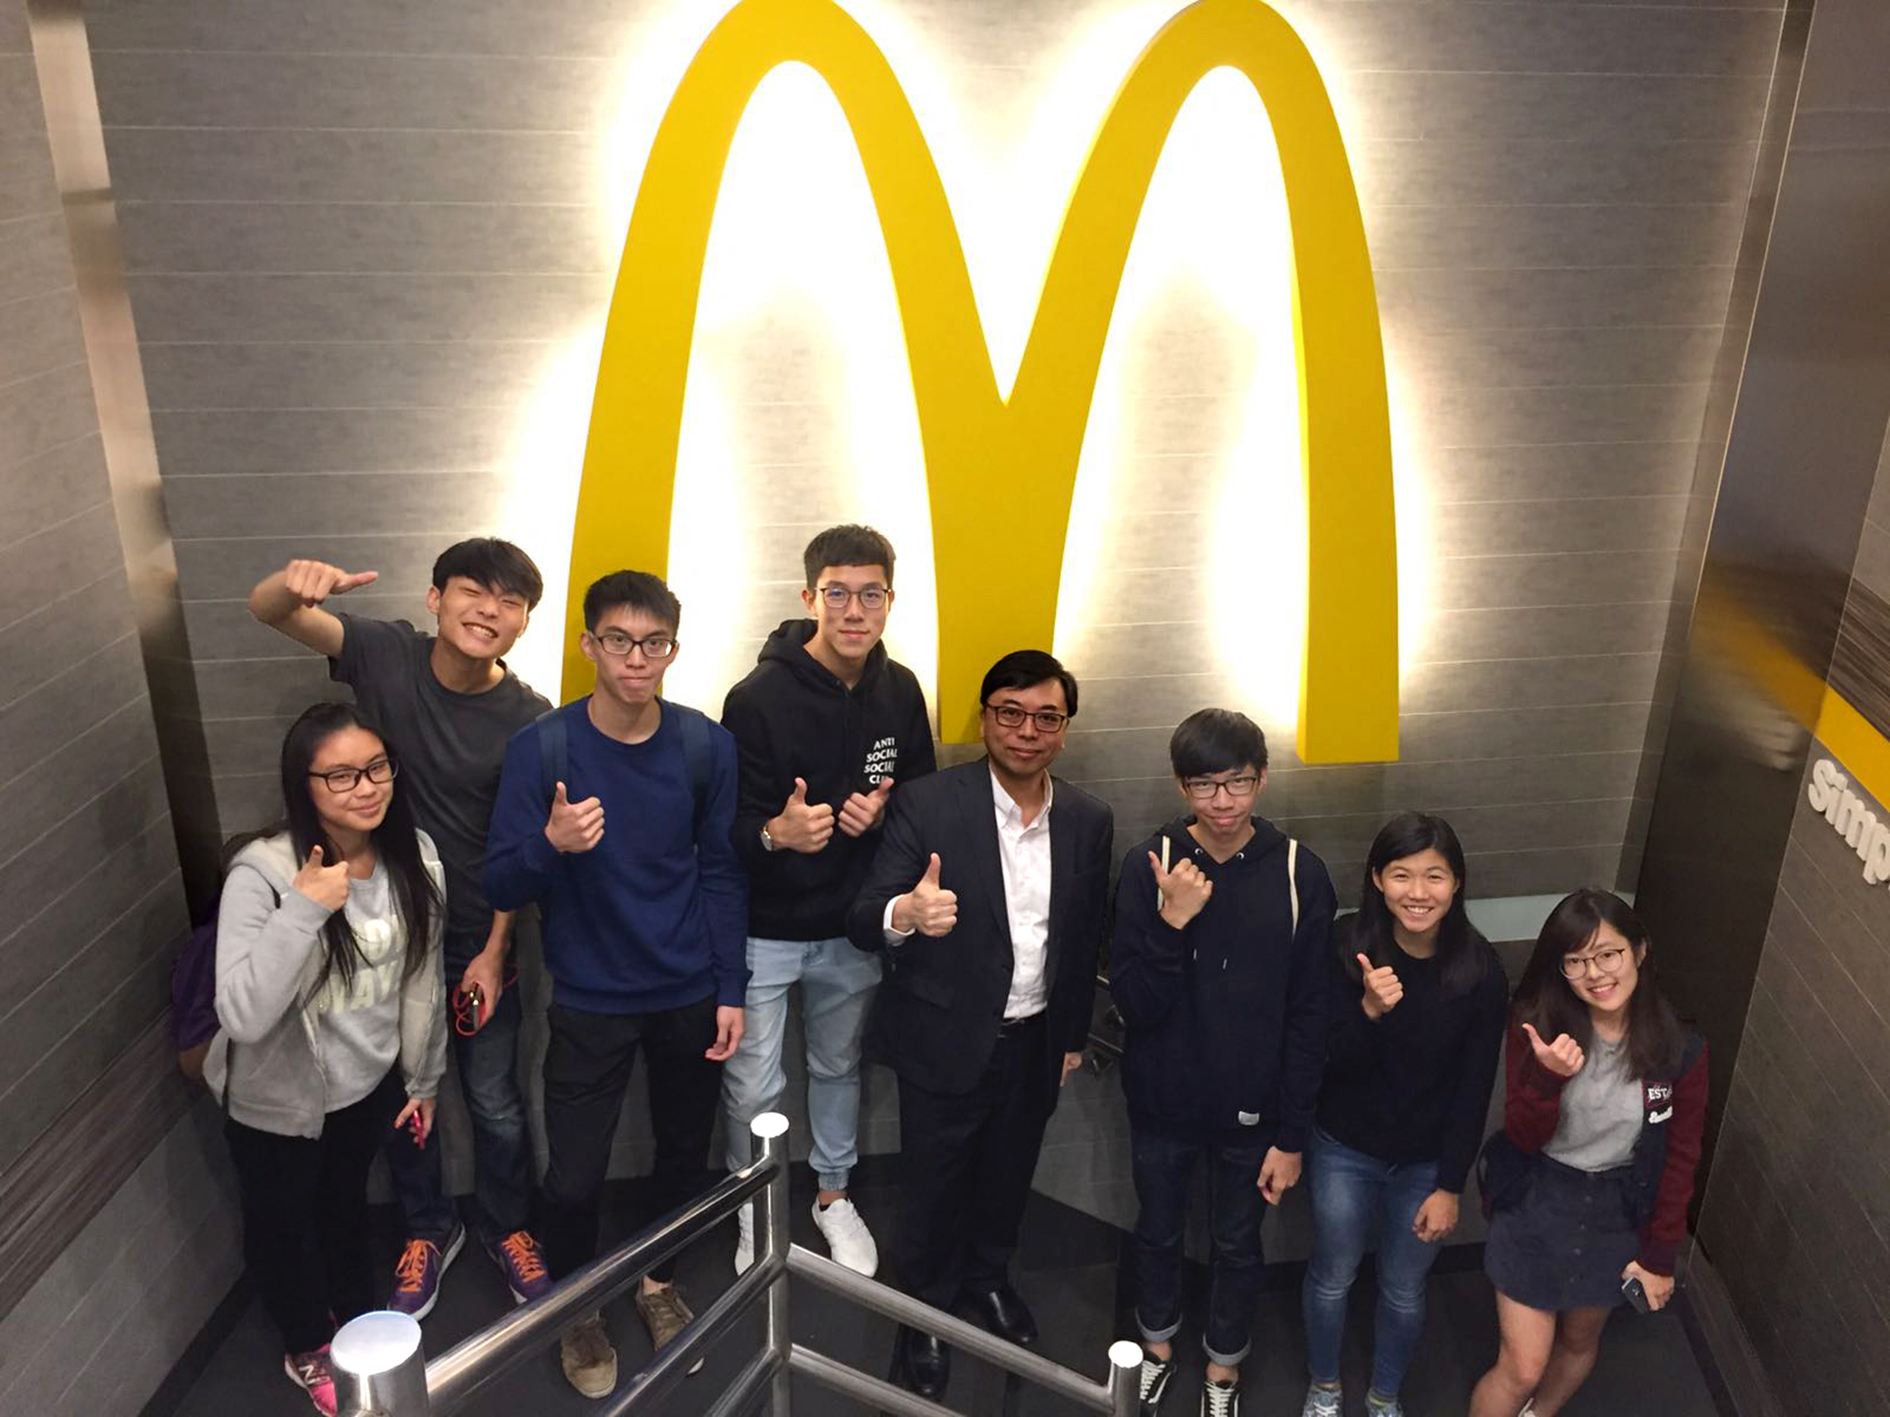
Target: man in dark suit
[{"x": 987, "y": 896}]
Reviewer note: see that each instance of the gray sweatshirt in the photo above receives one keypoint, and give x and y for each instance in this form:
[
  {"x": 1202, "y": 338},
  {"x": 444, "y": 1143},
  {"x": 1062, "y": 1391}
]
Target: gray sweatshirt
[{"x": 288, "y": 1053}]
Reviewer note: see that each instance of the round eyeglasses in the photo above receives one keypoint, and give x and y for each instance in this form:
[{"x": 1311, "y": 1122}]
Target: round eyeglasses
[
  {"x": 838, "y": 597},
  {"x": 1609, "y": 961}
]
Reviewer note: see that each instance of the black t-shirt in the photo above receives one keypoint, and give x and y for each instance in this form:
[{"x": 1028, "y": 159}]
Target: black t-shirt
[{"x": 450, "y": 746}]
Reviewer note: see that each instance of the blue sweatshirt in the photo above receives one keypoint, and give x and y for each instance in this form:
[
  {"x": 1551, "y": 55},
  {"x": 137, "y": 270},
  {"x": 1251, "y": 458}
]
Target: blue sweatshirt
[{"x": 655, "y": 915}]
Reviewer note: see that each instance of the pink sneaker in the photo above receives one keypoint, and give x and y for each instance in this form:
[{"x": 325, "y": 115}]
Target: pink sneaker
[{"x": 310, "y": 1372}]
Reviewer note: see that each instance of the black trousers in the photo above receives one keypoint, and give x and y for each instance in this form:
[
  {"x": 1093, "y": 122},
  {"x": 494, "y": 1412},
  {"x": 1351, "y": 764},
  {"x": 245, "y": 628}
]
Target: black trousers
[
  {"x": 587, "y": 1071},
  {"x": 966, "y": 1163},
  {"x": 305, "y": 1231}
]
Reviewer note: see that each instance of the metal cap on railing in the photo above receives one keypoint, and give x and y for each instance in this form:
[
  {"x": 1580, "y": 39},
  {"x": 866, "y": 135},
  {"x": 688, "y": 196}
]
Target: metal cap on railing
[
  {"x": 379, "y": 1367},
  {"x": 1125, "y": 1373}
]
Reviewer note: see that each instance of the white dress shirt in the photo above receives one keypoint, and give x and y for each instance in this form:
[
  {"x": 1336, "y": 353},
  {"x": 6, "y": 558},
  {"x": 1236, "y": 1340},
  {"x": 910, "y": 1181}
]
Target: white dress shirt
[{"x": 1024, "y": 856}]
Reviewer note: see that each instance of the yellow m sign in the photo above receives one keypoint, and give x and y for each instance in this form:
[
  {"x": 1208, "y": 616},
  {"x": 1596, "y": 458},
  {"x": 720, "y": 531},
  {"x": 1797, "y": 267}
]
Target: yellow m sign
[{"x": 980, "y": 448}]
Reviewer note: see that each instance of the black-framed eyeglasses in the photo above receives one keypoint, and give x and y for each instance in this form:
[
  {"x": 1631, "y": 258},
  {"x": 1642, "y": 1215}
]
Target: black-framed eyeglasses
[
  {"x": 838, "y": 597},
  {"x": 1608, "y": 961},
  {"x": 1013, "y": 716},
  {"x": 381, "y": 770},
  {"x": 618, "y": 645},
  {"x": 1202, "y": 789}
]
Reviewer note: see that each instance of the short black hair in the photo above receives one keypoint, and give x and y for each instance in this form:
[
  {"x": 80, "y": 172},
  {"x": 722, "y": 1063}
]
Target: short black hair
[
  {"x": 637, "y": 589},
  {"x": 493, "y": 563},
  {"x": 1022, "y": 668},
  {"x": 1216, "y": 740},
  {"x": 849, "y": 545}
]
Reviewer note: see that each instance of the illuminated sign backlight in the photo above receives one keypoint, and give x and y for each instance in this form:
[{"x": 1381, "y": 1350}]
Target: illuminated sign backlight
[{"x": 1003, "y": 471}]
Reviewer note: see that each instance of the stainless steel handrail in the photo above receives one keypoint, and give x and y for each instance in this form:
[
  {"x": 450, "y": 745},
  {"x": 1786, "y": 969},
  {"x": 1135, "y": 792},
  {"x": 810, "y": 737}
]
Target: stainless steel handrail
[{"x": 455, "y": 1376}]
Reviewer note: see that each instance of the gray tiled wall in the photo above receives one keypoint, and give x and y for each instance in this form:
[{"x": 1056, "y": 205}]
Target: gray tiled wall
[
  {"x": 1796, "y": 1212},
  {"x": 353, "y": 231},
  {"x": 88, "y": 859},
  {"x": 88, "y": 863}
]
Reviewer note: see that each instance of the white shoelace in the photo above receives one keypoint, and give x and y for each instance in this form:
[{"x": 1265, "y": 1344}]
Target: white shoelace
[{"x": 1220, "y": 1399}]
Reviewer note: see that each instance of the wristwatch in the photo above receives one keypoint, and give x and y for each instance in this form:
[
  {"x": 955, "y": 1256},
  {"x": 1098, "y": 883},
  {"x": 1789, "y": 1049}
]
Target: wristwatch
[{"x": 768, "y": 842}]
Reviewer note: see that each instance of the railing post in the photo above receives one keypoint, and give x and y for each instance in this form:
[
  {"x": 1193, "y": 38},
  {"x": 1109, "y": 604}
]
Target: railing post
[
  {"x": 770, "y": 1135},
  {"x": 1125, "y": 1373},
  {"x": 380, "y": 1370}
]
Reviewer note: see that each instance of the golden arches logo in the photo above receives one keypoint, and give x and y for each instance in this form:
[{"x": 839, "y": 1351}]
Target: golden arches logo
[{"x": 976, "y": 443}]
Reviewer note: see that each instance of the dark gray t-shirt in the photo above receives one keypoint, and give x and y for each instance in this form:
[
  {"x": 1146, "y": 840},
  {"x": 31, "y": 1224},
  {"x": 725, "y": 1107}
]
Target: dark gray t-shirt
[{"x": 450, "y": 746}]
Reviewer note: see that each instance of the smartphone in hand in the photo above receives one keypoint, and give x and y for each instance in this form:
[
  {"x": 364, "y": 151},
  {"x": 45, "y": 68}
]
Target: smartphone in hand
[{"x": 1636, "y": 1294}]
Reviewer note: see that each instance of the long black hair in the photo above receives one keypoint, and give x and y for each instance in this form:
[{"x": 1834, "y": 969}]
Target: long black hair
[
  {"x": 395, "y": 840},
  {"x": 1464, "y": 957},
  {"x": 1546, "y": 999}
]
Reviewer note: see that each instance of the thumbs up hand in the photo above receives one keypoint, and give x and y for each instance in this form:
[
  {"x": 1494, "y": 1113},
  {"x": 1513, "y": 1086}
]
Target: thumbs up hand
[
  {"x": 1383, "y": 989},
  {"x": 574, "y": 826},
  {"x": 312, "y": 582},
  {"x": 325, "y": 885},
  {"x": 861, "y": 812},
  {"x": 1564, "y": 1057},
  {"x": 927, "y": 907},
  {"x": 802, "y": 826},
  {"x": 1183, "y": 891}
]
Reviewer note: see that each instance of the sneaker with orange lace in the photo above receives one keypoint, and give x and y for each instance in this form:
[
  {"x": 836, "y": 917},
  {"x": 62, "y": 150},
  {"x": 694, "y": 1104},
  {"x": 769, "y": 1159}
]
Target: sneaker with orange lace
[
  {"x": 417, "y": 1275},
  {"x": 310, "y": 1372},
  {"x": 518, "y": 1257}
]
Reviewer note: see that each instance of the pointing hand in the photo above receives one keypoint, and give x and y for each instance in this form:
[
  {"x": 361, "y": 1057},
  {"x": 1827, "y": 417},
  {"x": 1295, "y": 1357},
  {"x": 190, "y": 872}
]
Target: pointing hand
[
  {"x": 802, "y": 826},
  {"x": 314, "y": 581},
  {"x": 1183, "y": 891},
  {"x": 861, "y": 812},
  {"x": 574, "y": 826},
  {"x": 927, "y": 908}
]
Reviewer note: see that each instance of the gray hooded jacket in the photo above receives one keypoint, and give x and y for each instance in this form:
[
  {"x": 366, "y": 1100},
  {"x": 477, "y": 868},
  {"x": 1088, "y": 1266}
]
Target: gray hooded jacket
[{"x": 269, "y": 956}]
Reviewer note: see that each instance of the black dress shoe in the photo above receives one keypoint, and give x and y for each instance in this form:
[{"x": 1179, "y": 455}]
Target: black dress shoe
[
  {"x": 922, "y": 1363},
  {"x": 1003, "y": 1311}
]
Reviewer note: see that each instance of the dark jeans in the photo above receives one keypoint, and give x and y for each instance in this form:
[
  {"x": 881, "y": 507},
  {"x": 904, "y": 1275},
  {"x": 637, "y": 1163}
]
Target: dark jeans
[
  {"x": 502, "y": 1155},
  {"x": 587, "y": 1070},
  {"x": 966, "y": 1163},
  {"x": 1164, "y": 1174},
  {"x": 305, "y": 1229}
]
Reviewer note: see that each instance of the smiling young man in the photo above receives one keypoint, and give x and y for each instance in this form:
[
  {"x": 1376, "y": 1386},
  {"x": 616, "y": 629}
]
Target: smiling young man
[
  {"x": 448, "y": 705},
  {"x": 614, "y": 812},
  {"x": 825, "y": 724},
  {"x": 987, "y": 895},
  {"x": 1218, "y": 966}
]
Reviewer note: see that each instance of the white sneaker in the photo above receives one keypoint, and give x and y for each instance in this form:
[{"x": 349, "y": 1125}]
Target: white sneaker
[
  {"x": 1323, "y": 1401},
  {"x": 744, "y": 1238},
  {"x": 848, "y": 1239}
]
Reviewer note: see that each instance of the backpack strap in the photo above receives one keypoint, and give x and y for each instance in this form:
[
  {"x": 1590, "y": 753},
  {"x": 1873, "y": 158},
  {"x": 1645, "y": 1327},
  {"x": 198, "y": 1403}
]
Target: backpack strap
[
  {"x": 1292, "y": 878},
  {"x": 553, "y": 750}
]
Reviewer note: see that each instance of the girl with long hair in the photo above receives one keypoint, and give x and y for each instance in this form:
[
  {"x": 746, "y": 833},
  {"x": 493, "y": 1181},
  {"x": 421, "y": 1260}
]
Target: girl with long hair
[
  {"x": 1593, "y": 1171},
  {"x": 1418, "y": 1000},
  {"x": 332, "y": 1023}
]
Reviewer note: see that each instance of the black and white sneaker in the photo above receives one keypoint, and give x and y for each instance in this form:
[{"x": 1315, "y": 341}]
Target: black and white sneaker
[
  {"x": 1155, "y": 1378},
  {"x": 1220, "y": 1399}
]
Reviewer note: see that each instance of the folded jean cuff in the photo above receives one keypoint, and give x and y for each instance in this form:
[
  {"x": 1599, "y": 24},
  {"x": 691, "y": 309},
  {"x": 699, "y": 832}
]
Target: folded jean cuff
[
  {"x": 1156, "y": 1335},
  {"x": 1224, "y": 1359},
  {"x": 834, "y": 1180}
]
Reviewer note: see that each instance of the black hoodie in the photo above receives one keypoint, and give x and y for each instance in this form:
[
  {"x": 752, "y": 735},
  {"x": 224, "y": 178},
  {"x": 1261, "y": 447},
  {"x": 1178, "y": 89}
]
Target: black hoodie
[
  {"x": 1226, "y": 1017},
  {"x": 791, "y": 718}
]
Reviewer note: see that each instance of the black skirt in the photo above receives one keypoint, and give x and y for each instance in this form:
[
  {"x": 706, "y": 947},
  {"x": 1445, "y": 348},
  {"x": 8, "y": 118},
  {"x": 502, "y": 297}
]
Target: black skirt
[{"x": 1564, "y": 1245}]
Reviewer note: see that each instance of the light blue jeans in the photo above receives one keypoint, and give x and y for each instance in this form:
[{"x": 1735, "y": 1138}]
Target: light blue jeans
[
  {"x": 1355, "y": 1196},
  {"x": 837, "y": 983}
]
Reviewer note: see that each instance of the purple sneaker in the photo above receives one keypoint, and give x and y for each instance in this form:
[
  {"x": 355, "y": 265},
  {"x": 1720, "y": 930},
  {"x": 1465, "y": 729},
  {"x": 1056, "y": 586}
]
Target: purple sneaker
[
  {"x": 417, "y": 1275},
  {"x": 519, "y": 1260}
]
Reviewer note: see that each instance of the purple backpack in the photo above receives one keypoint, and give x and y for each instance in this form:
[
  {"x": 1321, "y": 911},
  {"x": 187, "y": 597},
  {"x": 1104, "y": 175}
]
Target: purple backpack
[{"x": 194, "y": 999}]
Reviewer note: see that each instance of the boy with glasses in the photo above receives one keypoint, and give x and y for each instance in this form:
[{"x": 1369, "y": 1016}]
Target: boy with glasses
[
  {"x": 615, "y": 812},
  {"x": 447, "y": 704},
  {"x": 1219, "y": 969},
  {"x": 825, "y": 724}
]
